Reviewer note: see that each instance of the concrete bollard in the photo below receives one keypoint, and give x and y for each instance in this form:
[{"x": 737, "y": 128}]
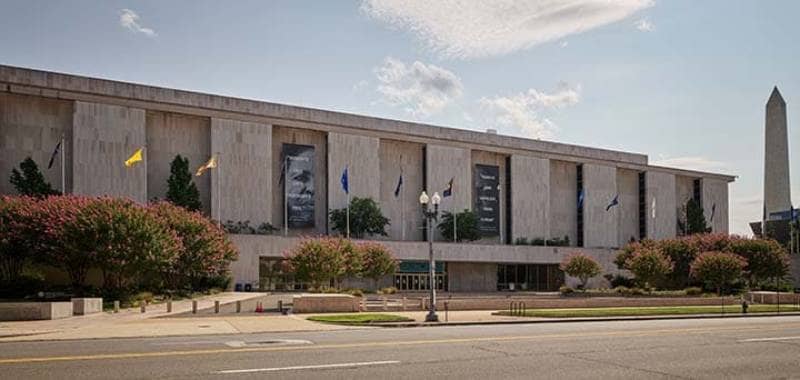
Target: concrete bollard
[
  {"x": 169, "y": 306},
  {"x": 404, "y": 303},
  {"x": 216, "y": 307},
  {"x": 280, "y": 306},
  {"x": 116, "y": 306},
  {"x": 194, "y": 306},
  {"x": 143, "y": 306},
  {"x": 238, "y": 306},
  {"x": 385, "y": 304}
]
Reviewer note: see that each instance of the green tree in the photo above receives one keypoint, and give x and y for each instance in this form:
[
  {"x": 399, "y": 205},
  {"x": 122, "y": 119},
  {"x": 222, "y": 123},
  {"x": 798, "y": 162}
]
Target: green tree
[
  {"x": 718, "y": 269},
  {"x": 580, "y": 266},
  {"x": 365, "y": 218},
  {"x": 377, "y": 261},
  {"x": 30, "y": 181},
  {"x": 181, "y": 190},
  {"x": 649, "y": 265},
  {"x": 695, "y": 219},
  {"x": 467, "y": 226}
]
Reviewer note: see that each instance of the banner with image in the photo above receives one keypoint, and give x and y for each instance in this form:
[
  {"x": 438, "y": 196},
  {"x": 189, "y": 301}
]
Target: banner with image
[
  {"x": 298, "y": 166},
  {"x": 487, "y": 199}
]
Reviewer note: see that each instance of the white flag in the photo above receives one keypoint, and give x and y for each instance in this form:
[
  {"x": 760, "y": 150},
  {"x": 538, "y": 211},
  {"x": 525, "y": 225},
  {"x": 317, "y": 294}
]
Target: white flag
[{"x": 654, "y": 207}]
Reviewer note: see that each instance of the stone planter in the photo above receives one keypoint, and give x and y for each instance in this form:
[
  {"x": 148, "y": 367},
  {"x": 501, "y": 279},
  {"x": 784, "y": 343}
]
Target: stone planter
[
  {"x": 32, "y": 311},
  {"x": 84, "y": 306}
]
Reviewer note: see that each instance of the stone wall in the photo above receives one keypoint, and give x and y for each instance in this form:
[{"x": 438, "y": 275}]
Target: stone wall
[
  {"x": 600, "y": 222},
  {"x": 252, "y": 246},
  {"x": 715, "y": 204},
  {"x": 472, "y": 277},
  {"x": 444, "y": 163},
  {"x": 563, "y": 200},
  {"x": 241, "y": 184},
  {"x": 170, "y": 134},
  {"x": 628, "y": 215},
  {"x": 530, "y": 197},
  {"x": 360, "y": 155},
  {"x": 661, "y": 222},
  {"x": 403, "y": 210},
  {"x": 104, "y": 136}
]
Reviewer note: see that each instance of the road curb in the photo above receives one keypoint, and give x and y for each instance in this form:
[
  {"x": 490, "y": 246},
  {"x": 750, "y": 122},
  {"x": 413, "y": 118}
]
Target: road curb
[{"x": 575, "y": 320}]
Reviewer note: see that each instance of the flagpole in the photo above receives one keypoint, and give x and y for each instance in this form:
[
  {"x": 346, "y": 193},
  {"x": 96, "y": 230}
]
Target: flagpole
[
  {"x": 285, "y": 196},
  {"x": 219, "y": 192},
  {"x": 455, "y": 225},
  {"x": 402, "y": 210},
  {"x": 347, "y": 170},
  {"x": 63, "y": 168}
]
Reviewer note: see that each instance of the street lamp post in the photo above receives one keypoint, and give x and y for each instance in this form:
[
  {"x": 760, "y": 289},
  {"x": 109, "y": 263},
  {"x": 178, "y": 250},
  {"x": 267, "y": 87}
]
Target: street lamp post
[{"x": 430, "y": 217}]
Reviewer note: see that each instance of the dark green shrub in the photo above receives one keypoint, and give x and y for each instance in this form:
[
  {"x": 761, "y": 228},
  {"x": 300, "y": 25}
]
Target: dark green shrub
[
  {"x": 366, "y": 218},
  {"x": 181, "y": 191},
  {"x": 467, "y": 226},
  {"x": 30, "y": 181}
]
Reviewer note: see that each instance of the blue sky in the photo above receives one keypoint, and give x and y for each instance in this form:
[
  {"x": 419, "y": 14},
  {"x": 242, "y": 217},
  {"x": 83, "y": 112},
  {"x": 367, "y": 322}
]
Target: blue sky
[{"x": 683, "y": 81}]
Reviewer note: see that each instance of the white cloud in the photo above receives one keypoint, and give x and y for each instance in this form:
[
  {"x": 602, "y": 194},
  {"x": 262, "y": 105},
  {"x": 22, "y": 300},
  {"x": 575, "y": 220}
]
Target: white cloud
[
  {"x": 130, "y": 20},
  {"x": 698, "y": 163},
  {"x": 645, "y": 25},
  {"x": 472, "y": 29},
  {"x": 527, "y": 111},
  {"x": 421, "y": 89},
  {"x": 564, "y": 44}
]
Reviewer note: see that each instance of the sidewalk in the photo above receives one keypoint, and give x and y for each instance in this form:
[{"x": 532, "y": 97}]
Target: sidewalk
[{"x": 157, "y": 322}]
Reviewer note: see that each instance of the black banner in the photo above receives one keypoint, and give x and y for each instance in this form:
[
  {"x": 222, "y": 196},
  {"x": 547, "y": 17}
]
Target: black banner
[
  {"x": 487, "y": 200},
  {"x": 298, "y": 174}
]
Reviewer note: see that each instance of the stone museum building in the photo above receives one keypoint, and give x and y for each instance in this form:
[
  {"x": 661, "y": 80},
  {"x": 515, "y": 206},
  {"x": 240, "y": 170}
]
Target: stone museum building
[{"x": 278, "y": 163}]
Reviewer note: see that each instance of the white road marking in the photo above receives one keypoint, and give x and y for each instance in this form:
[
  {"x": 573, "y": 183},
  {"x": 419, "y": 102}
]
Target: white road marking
[
  {"x": 302, "y": 367},
  {"x": 770, "y": 339}
]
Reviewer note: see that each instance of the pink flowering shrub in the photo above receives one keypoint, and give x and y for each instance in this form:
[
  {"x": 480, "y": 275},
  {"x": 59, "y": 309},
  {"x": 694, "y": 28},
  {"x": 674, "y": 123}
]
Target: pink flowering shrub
[
  {"x": 205, "y": 252},
  {"x": 718, "y": 269},
  {"x": 157, "y": 247},
  {"x": 322, "y": 260},
  {"x": 581, "y": 267}
]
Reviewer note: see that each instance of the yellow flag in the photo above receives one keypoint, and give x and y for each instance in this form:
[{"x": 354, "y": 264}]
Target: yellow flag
[
  {"x": 136, "y": 157},
  {"x": 212, "y": 163}
]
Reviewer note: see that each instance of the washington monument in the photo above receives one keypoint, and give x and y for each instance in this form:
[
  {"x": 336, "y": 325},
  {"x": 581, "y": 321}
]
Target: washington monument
[{"x": 777, "y": 198}]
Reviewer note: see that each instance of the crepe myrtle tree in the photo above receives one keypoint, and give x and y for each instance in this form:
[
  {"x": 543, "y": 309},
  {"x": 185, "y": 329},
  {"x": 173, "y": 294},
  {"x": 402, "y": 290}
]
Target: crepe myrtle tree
[
  {"x": 580, "y": 266},
  {"x": 718, "y": 269},
  {"x": 376, "y": 261},
  {"x": 366, "y": 218},
  {"x": 649, "y": 265}
]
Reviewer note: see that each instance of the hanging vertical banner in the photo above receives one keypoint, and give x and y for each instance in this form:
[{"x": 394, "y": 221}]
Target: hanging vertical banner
[
  {"x": 487, "y": 201},
  {"x": 299, "y": 187}
]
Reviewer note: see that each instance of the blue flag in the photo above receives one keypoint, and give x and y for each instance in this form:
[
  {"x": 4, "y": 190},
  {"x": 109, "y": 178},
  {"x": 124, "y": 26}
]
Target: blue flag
[
  {"x": 580, "y": 199},
  {"x": 613, "y": 203},
  {"x": 345, "y": 182},
  {"x": 449, "y": 190},
  {"x": 713, "y": 211},
  {"x": 399, "y": 185},
  {"x": 53, "y": 156}
]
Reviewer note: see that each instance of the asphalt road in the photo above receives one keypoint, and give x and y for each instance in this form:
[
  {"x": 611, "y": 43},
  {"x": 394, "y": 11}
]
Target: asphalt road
[{"x": 710, "y": 348}]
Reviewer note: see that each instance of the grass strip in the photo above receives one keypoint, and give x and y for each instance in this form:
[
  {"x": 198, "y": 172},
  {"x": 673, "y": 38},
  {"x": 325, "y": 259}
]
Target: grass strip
[
  {"x": 647, "y": 311},
  {"x": 359, "y": 318}
]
